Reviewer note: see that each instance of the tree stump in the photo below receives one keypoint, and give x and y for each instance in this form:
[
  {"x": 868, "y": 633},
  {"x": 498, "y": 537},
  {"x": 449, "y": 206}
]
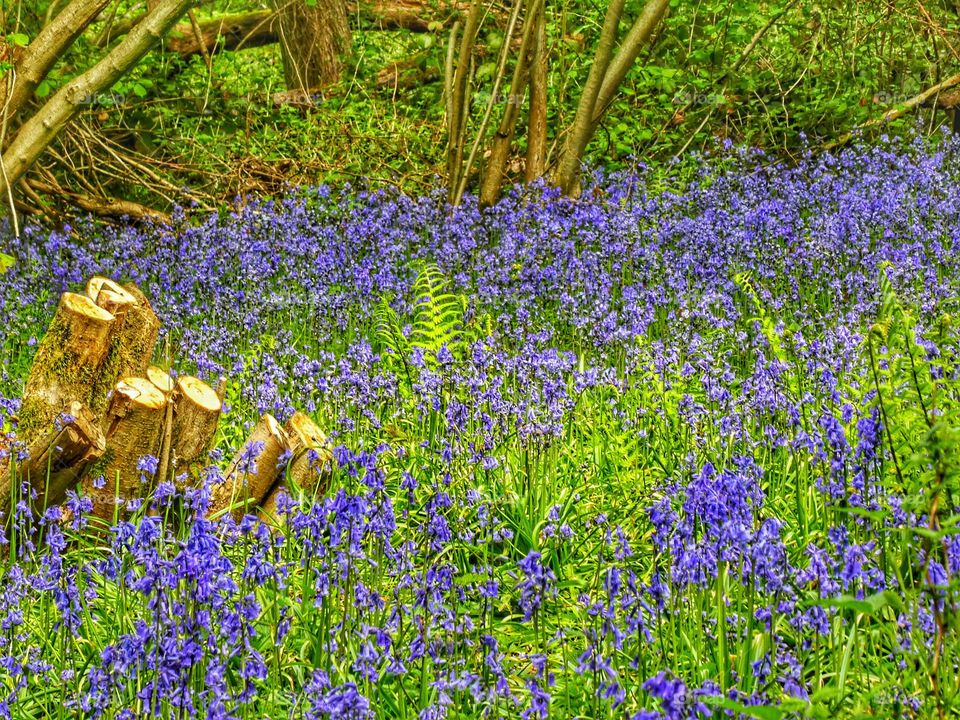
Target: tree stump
[
  {"x": 253, "y": 471},
  {"x": 57, "y": 461},
  {"x": 110, "y": 296},
  {"x": 196, "y": 412},
  {"x": 308, "y": 471},
  {"x": 135, "y": 335},
  {"x": 67, "y": 366},
  {"x": 133, "y": 426},
  {"x": 161, "y": 380}
]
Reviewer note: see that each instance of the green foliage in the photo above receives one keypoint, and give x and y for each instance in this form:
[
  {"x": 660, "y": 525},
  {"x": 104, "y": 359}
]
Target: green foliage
[
  {"x": 437, "y": 321},
  {"x": 918, "y": 402}
]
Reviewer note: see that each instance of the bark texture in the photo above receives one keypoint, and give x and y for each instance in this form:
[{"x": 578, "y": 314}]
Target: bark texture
[
  {"x": 253, "y": 471},
  {"x": 68, "y": 365},
  {"x": 536, "y": 161},
  {"x": 133, "y": 425},
  {"x": 313, "y": 42},
  {"x": 308, "y": 473},
  {"x": 133, "y": 335},
  {"x": 57, "y": 461}
]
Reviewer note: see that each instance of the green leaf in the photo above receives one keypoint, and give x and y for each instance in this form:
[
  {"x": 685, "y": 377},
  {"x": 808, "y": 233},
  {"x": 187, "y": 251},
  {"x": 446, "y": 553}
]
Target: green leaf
[
  {"x": 43, "y": 89},
  {"x": 18, "y": 39},
  {"x": 763, "y": 712},
  {"x": 869, "y": 606},
  {"x": 6, "y": 262},
  {"x": 139, "y": 90}
]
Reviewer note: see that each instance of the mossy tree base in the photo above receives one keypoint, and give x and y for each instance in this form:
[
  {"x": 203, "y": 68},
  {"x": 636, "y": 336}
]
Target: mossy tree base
[
  {"x": 56, "y": 462},
  {"x": 68, "y": 365}
]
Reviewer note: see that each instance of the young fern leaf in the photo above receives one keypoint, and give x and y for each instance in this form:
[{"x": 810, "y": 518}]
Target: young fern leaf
[
  {"x": 394, "y": 346},
  {"x": 438, "y": 318}
]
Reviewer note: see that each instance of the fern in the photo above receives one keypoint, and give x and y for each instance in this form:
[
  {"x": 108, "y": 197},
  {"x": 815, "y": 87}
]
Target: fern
[
  {"x": 767, "y": 323},
  {"x": 438, "y": 315},
  {"x": 916, "y": 400},
  {"x": 438, "y": 322}
]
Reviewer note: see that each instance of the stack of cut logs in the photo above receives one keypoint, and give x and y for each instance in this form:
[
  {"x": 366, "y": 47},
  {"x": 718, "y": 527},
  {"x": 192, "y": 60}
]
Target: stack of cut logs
[{"x": 94, "y": 407}]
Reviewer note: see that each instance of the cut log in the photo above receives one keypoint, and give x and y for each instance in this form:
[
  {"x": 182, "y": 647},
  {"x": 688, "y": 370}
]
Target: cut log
[
  {"x": 56, "y": 462},
  {"x": 196, "y": 412},
  {"x": 67, "y": 366},
  {"x": 160, "y": 379},
  {"x": 110, "y": 296},
  {"x": 308, "y": 472},
  {"x": 133, "y": 425},
  {"x": 118, "y": 302},
  {"x": 253, "y": 471},
  {"x": 138, "y": 336}
]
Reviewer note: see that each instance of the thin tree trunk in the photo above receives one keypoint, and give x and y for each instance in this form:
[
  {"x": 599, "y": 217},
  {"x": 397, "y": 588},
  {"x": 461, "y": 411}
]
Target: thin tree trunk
[
  {"x": 313, "y": 42},
  {"x": 633, "y": 43},
  {"x": 537, "y": 115},
  {"x": 40, "y": 130},
  {"x": 496, "y": 164},
  {"x": 457, "y": 102},
  {"x": 568, "y": 173}
]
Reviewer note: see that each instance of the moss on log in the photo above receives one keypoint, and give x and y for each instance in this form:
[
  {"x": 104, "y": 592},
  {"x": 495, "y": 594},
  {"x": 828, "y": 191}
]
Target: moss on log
[
  {"x": 68, "y": 365},
  {"x": 133, "y": 425},
  {"x": 56, "y": 462}
]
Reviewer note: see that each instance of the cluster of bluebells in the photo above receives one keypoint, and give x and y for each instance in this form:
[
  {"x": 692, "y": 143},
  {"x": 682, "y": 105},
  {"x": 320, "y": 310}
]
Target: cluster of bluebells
[{"x": 644, "y": 478}]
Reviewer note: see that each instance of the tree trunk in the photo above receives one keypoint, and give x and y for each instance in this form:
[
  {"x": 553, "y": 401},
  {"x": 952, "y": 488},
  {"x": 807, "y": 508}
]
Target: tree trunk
[
  {"x": 313, "y": 42},
  {"x": 309, "y": 469},
  {"x": 567, "y": 177},
  {"x": 455, "y": 90},
  {"x": 43, "y": 52},
  {"x": 67, "y": 366},
  {"x": 133, "y": 335},
  {"x": 253, "y": 470},
  {"x": 603, "y": 82},
  {"x": 496, "y": 164},
  {"x": 133, "y": 424},
  {"x": 536, "y": 164}
]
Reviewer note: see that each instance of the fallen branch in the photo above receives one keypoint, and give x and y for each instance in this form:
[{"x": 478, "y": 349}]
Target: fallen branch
[
  {"x": 104, "y": 207},
  {"x": 898, "y": 111},
  {"x": 258, "y": 28}
]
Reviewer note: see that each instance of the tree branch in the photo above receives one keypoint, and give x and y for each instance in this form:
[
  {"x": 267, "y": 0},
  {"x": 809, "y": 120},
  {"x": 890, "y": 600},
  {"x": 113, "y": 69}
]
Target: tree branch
[
  {"x": 36, "y": 133},
  {"x": 49, "y": 45},
  {"x": 568, "y": 171}
]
